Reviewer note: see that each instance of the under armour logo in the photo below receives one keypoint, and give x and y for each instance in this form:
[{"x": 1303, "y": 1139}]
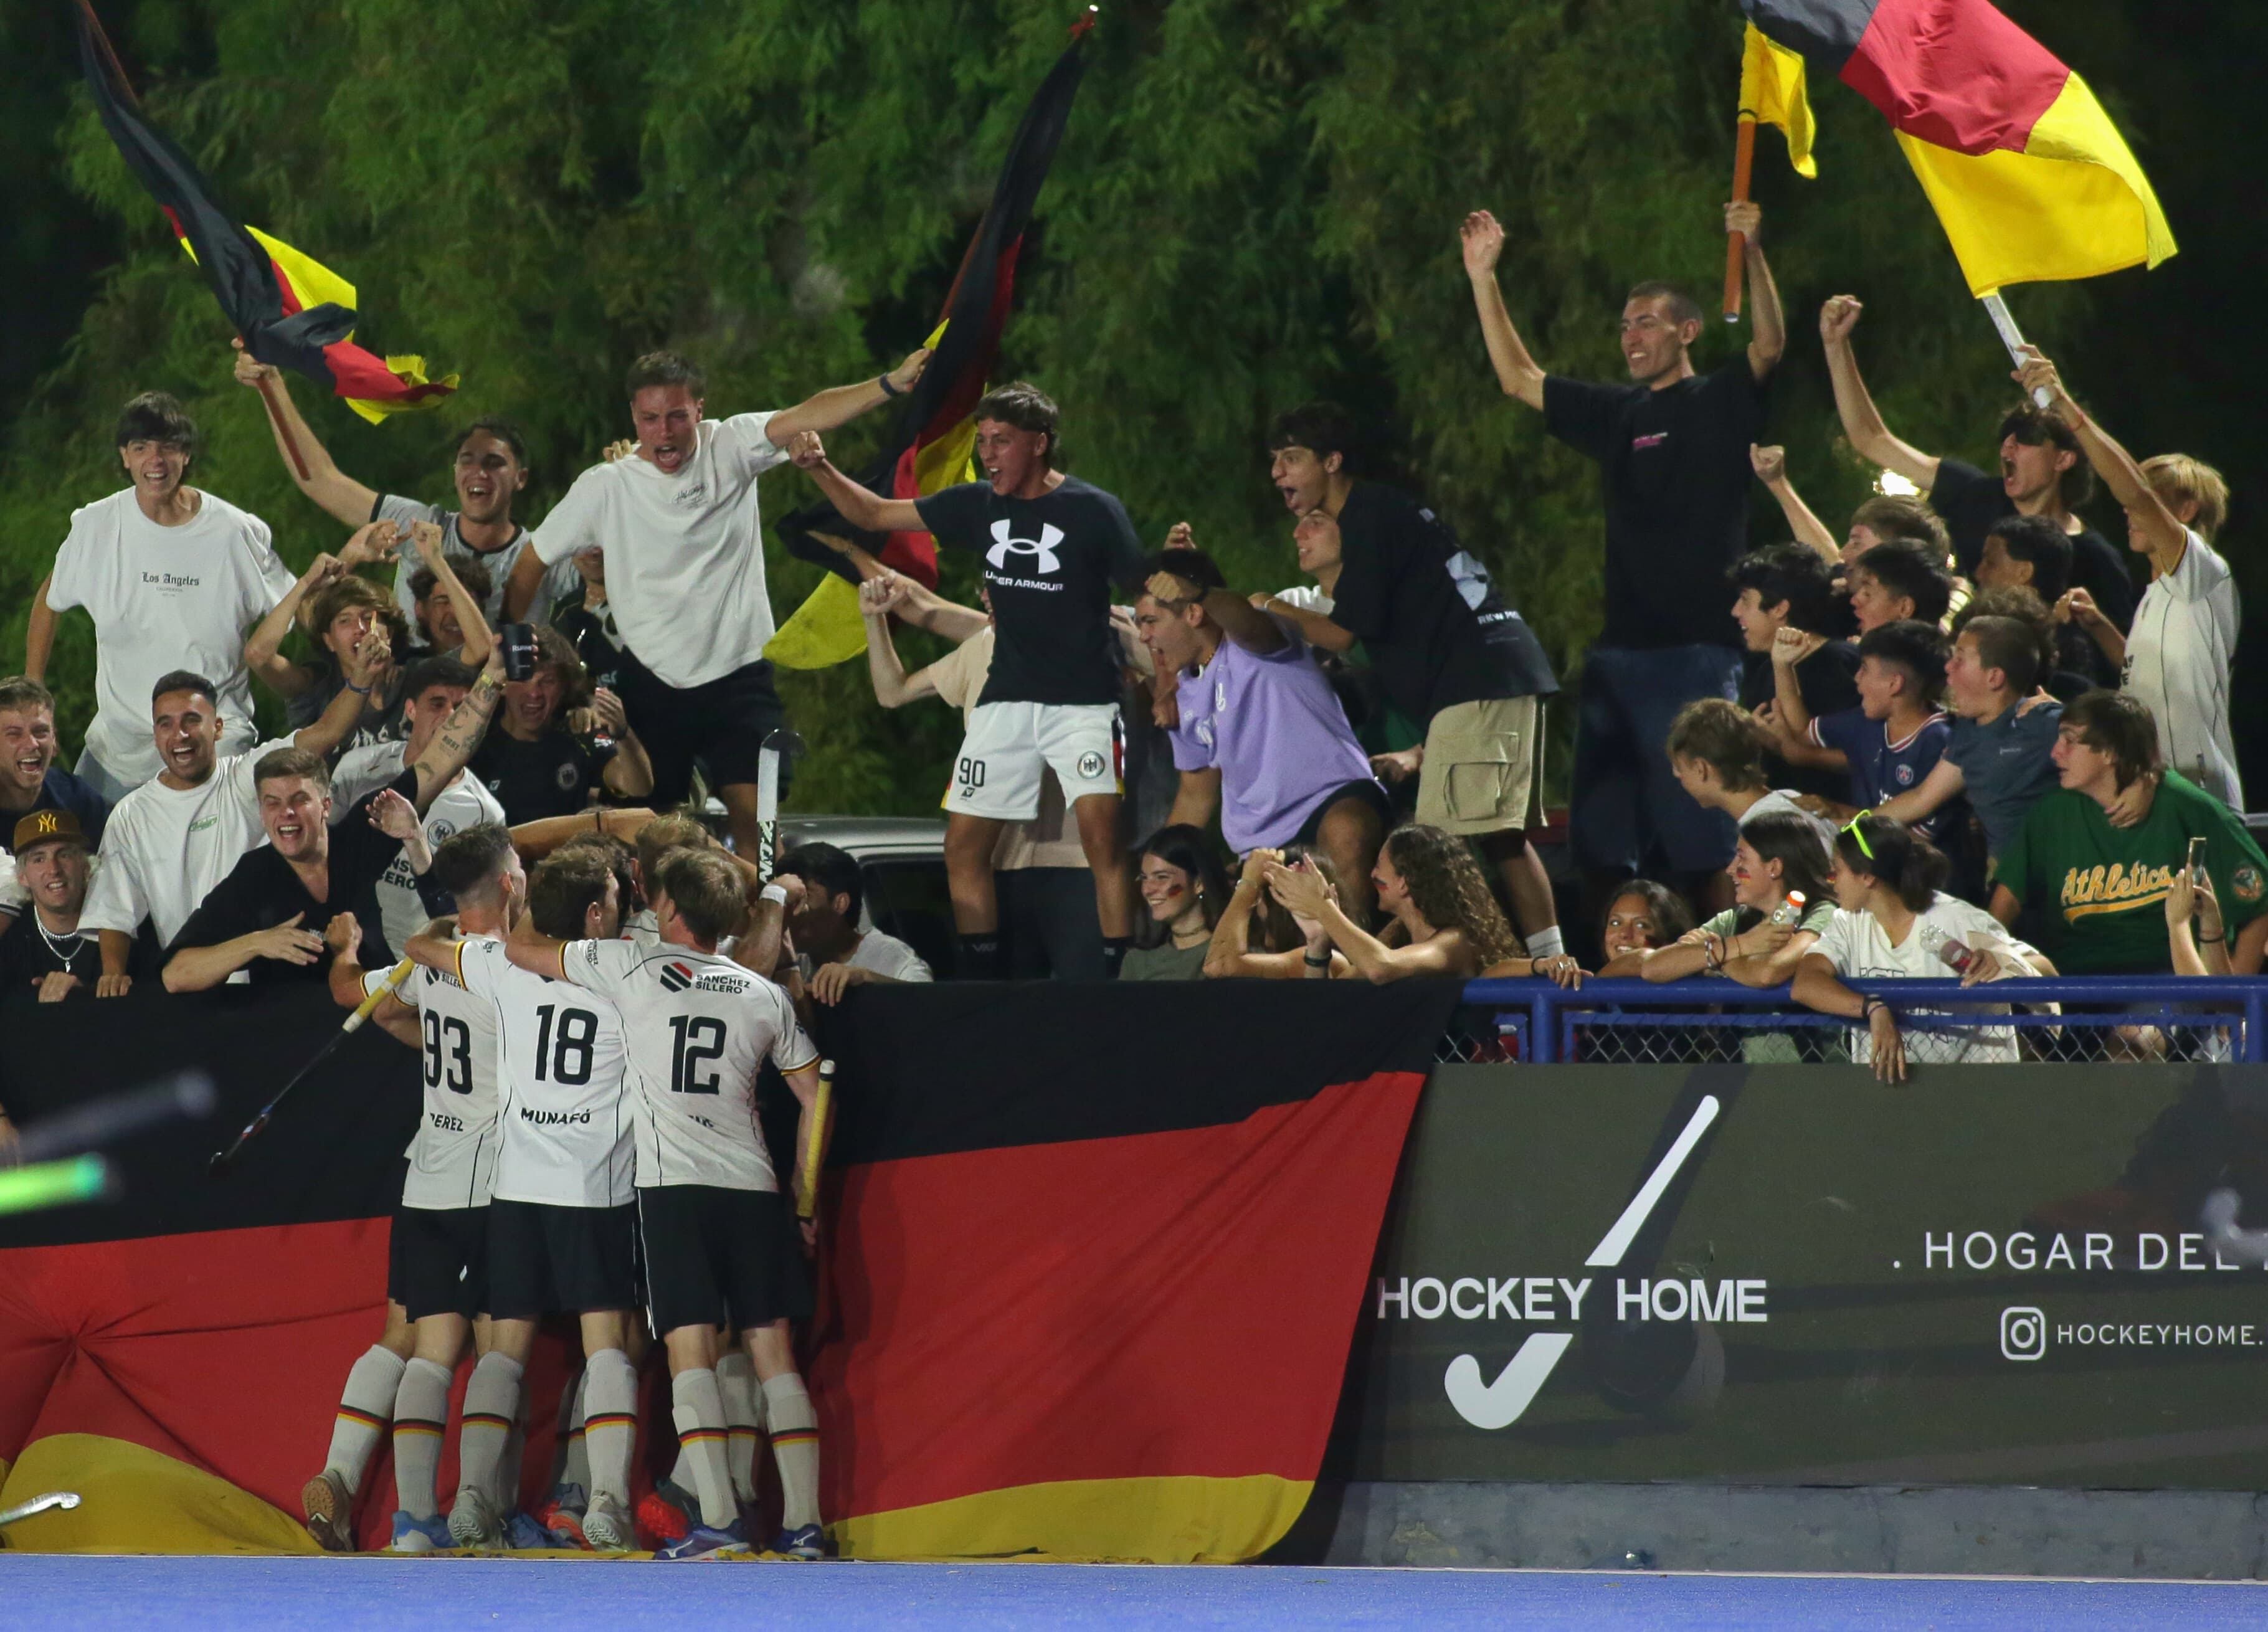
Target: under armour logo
[{"x": 1009, "y": 545}]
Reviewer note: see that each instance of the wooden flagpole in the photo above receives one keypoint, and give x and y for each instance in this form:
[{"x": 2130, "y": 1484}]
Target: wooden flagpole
[{"x": 1744, "y": 156}]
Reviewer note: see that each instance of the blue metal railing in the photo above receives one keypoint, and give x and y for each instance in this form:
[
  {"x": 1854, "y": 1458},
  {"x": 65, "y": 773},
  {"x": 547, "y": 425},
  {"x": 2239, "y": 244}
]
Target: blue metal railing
[{"x": 1548, "y": 1014}]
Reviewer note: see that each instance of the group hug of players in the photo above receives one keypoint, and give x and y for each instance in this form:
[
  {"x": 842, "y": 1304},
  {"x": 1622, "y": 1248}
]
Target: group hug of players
[{"x": 588, "y": 1146}]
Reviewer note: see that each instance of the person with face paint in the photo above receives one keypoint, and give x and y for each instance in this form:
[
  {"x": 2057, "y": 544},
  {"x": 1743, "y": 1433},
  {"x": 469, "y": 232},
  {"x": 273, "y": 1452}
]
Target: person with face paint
[
  {"x": 1183, "y": 894},
  {"x": 173, "y": 576}
]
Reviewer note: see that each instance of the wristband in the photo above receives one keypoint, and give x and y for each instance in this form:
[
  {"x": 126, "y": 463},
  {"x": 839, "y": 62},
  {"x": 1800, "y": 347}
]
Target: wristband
[
  {"x": 1313, "y": 962},
  {"x": 1866, "y": 1009},
  {"x": 889, "y": 390},
  {"x": 774, "y": 892},
  {"x": 2211, "y": 940},
  {"x": 359, "y": 691}
]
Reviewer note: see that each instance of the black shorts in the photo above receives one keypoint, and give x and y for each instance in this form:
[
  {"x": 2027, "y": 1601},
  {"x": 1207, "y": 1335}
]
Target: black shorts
[
  {"x": 545, "y": 1260},
  {"x": 1367, "y": 790},
  {"x": 437, "y": 1260},
  {"x": 722, "y": 722},
  {"x": 717, "y": 1257}
]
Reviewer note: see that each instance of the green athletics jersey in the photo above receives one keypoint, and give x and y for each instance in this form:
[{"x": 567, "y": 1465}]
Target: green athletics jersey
[{"x": 2099, "y": 892}]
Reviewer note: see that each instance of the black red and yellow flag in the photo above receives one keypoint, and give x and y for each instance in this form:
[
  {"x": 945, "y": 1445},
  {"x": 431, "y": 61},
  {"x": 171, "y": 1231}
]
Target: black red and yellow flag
[
  {"x": 1092, "y": 1259},
  {"x": 2029, "y": 177},
  {"x": 291, "y": 311},
  {"x": 935, "y": 435}
]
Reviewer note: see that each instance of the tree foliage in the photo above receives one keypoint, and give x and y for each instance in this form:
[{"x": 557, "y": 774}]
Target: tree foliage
[{"x": 1257, "y": 202}]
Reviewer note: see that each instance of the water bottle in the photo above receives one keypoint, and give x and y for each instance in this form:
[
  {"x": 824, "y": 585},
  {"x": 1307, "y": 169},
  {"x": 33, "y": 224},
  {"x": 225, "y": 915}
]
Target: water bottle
[
  {"x": 1953, "y": 953},
  {"x": 1789, "y": 912}
]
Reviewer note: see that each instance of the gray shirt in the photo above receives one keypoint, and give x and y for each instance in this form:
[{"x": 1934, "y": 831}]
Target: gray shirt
[
  {"x": 559, "y": 580},
  {"x": 2005, "y": 768}
]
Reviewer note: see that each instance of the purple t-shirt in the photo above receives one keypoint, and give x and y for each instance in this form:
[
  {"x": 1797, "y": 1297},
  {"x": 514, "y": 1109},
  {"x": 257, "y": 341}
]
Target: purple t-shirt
[{"x": 1275, "y": 730}]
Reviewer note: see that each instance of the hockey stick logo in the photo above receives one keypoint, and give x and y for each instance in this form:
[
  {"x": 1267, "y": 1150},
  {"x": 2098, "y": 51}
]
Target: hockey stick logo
[{"x": 1504, "y": 1401}]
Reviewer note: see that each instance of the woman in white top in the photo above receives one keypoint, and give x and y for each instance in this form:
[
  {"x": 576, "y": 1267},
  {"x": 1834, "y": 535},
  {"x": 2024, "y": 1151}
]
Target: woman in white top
[{"x": 1894, "y": 924}]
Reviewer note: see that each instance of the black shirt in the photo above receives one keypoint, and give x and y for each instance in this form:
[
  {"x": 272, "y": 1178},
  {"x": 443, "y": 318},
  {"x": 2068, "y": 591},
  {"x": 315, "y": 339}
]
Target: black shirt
[
  {"x": 1437, "y": 631},
  {"x": 1050, "y": 563},
  {"x": 1675, "y": 474},
  {"x": 28, "y": 956},
  {"x": 1827, "y": 682},
  {"x": 60, "y": 791},
  {"x": 557, "y": 774},
  {"x": 261, "y": 892},
  {"x": 1969, "y": 501}
]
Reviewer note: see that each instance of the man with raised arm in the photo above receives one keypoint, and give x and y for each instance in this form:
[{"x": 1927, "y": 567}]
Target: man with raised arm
[
  {"x": 1053, "y": 546},
  {"x": 2041, "y": 472},
  {"x": 489, "y": 473},
  {"x": 678, "y": 520},
  {"x": 1672, "y": 447}
]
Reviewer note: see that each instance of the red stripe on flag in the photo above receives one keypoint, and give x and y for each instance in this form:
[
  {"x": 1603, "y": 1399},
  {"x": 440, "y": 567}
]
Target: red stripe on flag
[{"x": 1955, "y": 73}]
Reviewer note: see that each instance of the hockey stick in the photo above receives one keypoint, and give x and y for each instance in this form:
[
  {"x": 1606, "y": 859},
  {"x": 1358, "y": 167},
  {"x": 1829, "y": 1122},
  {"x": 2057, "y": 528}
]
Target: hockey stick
[
  {"x": 779, "y": 746},
  {"x": 352, "y": 1023}
]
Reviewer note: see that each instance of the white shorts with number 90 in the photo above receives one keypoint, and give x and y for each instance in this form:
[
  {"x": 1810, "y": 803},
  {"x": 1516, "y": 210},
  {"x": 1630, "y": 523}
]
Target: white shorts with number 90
[{"x": 1009, "y": 744}]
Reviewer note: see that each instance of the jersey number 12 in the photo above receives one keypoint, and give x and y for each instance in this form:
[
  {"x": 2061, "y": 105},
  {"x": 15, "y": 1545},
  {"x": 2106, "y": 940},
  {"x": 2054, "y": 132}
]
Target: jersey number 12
[{"x": 698, "y": 1037}]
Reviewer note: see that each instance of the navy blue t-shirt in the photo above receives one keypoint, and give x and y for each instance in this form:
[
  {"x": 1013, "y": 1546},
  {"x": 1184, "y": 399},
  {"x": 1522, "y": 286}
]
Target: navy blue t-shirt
[
  {"x": 60, "y": 791},
  {"x": 1881, "y": 769}
]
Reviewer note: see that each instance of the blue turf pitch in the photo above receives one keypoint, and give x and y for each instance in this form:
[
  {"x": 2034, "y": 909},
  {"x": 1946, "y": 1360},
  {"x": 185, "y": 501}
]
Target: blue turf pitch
[{"x": 157, "y": 1594}]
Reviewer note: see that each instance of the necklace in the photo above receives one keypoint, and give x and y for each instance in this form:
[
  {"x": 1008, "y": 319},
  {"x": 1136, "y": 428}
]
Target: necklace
[{"x": 63, "y": 948}]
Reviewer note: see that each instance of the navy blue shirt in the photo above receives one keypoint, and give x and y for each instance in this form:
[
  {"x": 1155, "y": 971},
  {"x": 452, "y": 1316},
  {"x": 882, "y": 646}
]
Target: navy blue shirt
[
  {"x": 61, "y": 791},
  {"x": 1881, "y": 769}
]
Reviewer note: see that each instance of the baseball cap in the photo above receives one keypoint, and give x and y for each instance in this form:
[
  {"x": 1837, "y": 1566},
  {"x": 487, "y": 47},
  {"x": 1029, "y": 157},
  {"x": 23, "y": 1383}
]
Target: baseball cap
[{"x": 43, "y": 827}]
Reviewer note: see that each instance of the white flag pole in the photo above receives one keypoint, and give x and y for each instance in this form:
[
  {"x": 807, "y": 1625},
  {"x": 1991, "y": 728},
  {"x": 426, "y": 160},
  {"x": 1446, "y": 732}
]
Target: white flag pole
[{"x": 2012, "y": 337}]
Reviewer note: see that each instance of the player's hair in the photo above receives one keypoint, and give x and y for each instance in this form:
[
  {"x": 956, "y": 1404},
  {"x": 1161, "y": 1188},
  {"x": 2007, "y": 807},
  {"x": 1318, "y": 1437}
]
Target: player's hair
[
  {"x": 832, "y": 870},
  {"x": 467, "y": 865},
  {"x": 158, "y": 416},
  {"x": 672, "y": 830},
  {"x": 1188, "y": 848},
  {"x": 1797, "y": 843},
  {"x": 1723, "y": 736},
  {"x": 1914, "y": 646},
  {"x": 440, "y": 669},
  {"x": 1445, "y": 885},
  {"x": 281, "y": 764},
  {"x": 2045, "y": 546},
  {"x": 1026, "y": 407},
  {"x": 2177, "y": 478},
  {"x": 1322, "y": 427},
  {"x": 1672, "y": 913},
  {"x": 1895, "y": 856},
  {"x": 2020, "y": 603},
  {"x": 1684, "y": 308},
  {"x": 1894, "y": 516},
  {"x": 22, "y": 694},
  {"x": 2032, "y": 426},
  {"x": 707, "y": 890},
  {"x": 471, "y": 574},
  {"x": 503, "y": 430},
  {"x": 2118, "y": 724},
  {"x": 1277, "y": 932},
  {"x": 569, "y": 881},
  {"x": 2008, "y": 644},
  {"x": 1903, "y": 568},
  {"x": 1795, "y": 576},
  {"x": 665, "y": 368},
  {"x": 185, "y": 680},
  {"x": 618, "y": 859},
  {"x": 1192, "y": 565}
]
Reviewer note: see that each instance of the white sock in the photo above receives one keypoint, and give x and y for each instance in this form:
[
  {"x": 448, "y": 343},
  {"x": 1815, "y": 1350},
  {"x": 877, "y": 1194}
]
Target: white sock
[
  {"x": 610, "y": 1428},
  {"x": 506, "y": 1490},
  {"x": 744, "y": 1419},
  {"x": 574, "y": 1481},
  {"x": 702, "y": 1441},
  {"x": 1546, "y": 942},
  {"x": 366, "y": 1407},
  {"x": 421, "y": 1416},
  {"x": 491, "y": 1407},
  {"x": 795, "y": 1448}
]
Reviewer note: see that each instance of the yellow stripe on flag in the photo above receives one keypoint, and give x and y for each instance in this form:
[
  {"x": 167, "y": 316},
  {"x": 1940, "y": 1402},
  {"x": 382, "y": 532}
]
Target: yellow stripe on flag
[
  {"x": 1160, "y": 1519},
  {"x": 1772, "y": 93},
  {"x": 2075, "y": 204},
  {"x": 315, "y": 284},
  {"x": 826, "y": 630}
]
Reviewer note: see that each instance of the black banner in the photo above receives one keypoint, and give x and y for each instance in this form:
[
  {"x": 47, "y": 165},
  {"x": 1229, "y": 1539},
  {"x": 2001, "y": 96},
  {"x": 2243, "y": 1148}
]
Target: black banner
[{"x": 1991, "y": 1274}]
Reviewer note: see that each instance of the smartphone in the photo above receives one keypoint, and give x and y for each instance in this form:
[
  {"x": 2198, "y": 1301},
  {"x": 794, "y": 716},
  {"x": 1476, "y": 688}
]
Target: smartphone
[{"x": 2197, "y": 859}]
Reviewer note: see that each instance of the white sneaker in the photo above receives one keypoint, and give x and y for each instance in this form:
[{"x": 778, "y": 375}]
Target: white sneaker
[
  {"x": 473, "y": 1521},
  {"x": 607, "y": 1527}
]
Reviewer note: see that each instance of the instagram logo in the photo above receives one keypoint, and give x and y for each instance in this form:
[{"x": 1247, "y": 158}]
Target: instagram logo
[{"x": 2023, "y": 1333}]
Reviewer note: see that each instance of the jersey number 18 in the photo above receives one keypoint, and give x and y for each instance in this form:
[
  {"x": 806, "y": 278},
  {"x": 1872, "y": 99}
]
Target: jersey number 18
[{"x": 569, "y": 1054}]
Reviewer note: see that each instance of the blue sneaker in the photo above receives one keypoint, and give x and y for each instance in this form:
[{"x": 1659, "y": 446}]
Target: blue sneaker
[
  {"x": 703, "y": 1542},
  {"x": 523, "y": 1535},
  {"x": 420, "y": 1535},
  {"x": 809, "y": 1542}
]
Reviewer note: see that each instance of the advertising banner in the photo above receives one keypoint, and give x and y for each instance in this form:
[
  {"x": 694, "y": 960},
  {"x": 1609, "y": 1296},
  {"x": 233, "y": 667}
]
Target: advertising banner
[{"x": 1794, "y": 1275}]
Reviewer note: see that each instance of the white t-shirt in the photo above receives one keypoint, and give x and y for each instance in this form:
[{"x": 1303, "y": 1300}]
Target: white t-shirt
[
  {"x": 700, "y": 1026},
  {"x": 684, "y": 556},
  {"x": 164, "y": 849},
  {"x": 884, "y": 954},
  {"x": 2178, "y": 655},
  {"x": 453, "y": 1155},
  {"x": 559, "y": 580},
  {"x": 465, "y": 803},
  {"x": 1308, "y": 598},
  {"x": 561, "y": 1068},
  {"x": 164, "y": 599},
  {"x": 1856, "y": 943}
]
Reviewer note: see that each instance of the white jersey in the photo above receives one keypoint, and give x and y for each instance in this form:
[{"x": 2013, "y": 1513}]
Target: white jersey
[
  {"x": 164, "y": 849},
  {"x": 2178, "y": 658},
  {"x": 465, "y": 803},
  {"x": 700, "y": 1026},
  {"x": 453, "y": 1156},
  {"x": 164, "y": 599},
  {"x": 560, "y": 1083}
]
